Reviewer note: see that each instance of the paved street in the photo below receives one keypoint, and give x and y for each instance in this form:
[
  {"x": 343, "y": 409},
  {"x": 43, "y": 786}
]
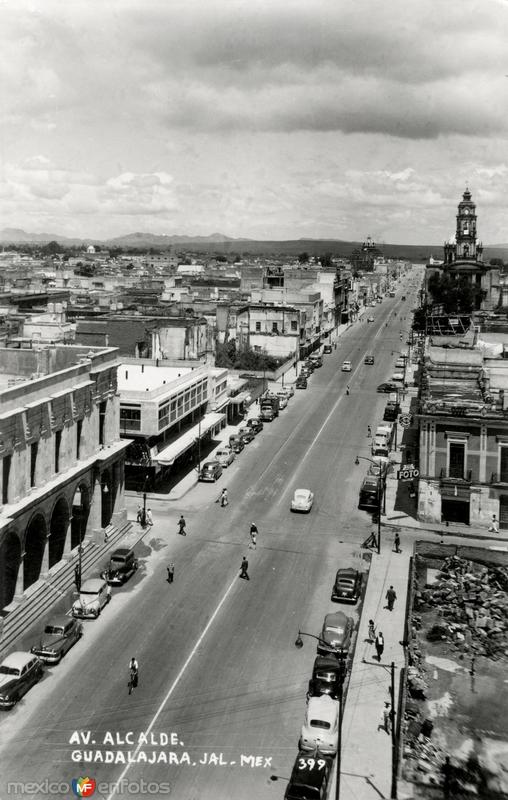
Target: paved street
[{"x": 218, "y": 666}]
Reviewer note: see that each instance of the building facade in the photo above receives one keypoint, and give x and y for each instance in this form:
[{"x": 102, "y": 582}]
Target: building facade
[{"x": 62, "y": 461}]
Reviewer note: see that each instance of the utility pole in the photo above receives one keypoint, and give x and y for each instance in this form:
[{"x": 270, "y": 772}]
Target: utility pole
[{"x": 393, "y": 793}]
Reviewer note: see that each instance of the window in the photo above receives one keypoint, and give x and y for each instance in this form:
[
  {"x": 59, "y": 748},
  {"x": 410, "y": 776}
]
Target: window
[
  {"x": 58, "y": 442},
  {"x": 6, "y": 471},
  {"x": 275, "y": 327},
  {"x": 34, "y": 449},
  {"x": 294, "y": 325},
  {"x": 503, "y": 465},
  {"x": 258, "y": 327},
  {"x": 79, "y": 428},
  {"x": 130, "y": 418},
  {"x": 456, "y": 460},
  {"x": 102, "y": 421}
]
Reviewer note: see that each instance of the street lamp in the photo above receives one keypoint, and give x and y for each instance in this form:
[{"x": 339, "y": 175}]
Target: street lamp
[
  {"x": 342, "y": 677},
  {"x": 381, "y": 495}
]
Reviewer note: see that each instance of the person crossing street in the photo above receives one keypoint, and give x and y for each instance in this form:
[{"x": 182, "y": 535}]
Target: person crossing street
[
  {"x": 181, "y": 526},
  {"x": 244, "y": 567}
]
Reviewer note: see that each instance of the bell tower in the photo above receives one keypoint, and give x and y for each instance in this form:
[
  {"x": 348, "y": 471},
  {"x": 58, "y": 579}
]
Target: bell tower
[{"x": 467, "y": 246}]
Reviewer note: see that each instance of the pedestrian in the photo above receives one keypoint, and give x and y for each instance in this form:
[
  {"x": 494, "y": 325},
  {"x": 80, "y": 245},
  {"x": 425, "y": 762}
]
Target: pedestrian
[
  {"x": 171, "y": 572},
  {"x": 244, "y": 568},
  {"x": 347, "y": 389},
  {"x": 253, "y": 529},
  {"x": 181, "y": 526},
  {"x": 396, "y": 543},
  {"x": 494, "y": 525},
  {"x": 224, "y": 498},
  {"x": 372, "y": 631},
  {"x": 386, "y": 719},
  {"x": 390, "y": 598},
  {"x": 149, "y": 518},
  {"x": 253, "y": 538},
  {"x": 139, "y": 515},
  {"x": 379, "y": 645},
  {"x": 369, "y": 432},
  {"x": 77, "y": 577}
]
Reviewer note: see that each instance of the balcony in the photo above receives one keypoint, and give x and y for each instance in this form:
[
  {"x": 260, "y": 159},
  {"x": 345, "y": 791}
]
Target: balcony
[
  {"x": 499, "y": 478},
  {"x": 445, "y": 477}
]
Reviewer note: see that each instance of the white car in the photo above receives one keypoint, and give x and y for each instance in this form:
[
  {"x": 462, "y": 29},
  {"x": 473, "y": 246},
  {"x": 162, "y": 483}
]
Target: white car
[
  {"x": 302, "y": 500},
  {"x": 397, "y": 376},
  {"x": 370, "y": 319},
  {"x": 93, "y": 596},
  {"x": 320, "y": 729},
  {"x": 283, "y": 400},
  {"x": 225, "y": 456},
  {"x": 346, "y": 366}
]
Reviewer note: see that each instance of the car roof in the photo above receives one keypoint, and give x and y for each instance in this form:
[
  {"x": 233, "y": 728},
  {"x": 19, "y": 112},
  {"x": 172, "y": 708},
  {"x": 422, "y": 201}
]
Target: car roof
[
  {"x": 302, "y": 491},
  {"x": 327, "y": 663},
  {"x": 370, "y": 483},
  {"x": 322, "y": 707},
  {"x": 93, "y": 584},
  {"x": 347, "y": 572},
  {"x": 306, "y": 776},
  {"x": 120, "y": 551},
  {"x": 210, "y": 464},
  {"x": 223, "y": 450},
  {"x": 17, "y": 660},
  {"x": 59, "y": 621},
  {"x": 336, "y": 620}
]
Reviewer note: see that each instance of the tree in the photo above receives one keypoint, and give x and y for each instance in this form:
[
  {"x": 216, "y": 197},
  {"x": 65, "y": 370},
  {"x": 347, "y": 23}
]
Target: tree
[
  {"x": 496, "y": 262},
  {"x": 52, "y": 248},
  {"x": 326, "y": 260},
  {"x": 454, "y": 293},
  {"x": 303, "y": 258}
]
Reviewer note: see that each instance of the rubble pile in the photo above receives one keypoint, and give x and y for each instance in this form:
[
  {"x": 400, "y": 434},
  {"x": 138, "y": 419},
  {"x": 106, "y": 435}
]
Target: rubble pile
[{"x": 472, "y": 602}]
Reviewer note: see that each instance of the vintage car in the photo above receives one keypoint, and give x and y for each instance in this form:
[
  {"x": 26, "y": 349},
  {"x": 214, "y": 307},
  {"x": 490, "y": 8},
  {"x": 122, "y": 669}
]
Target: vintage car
[
  {"x": 327, "y": 349},
  {"x": 368, "y": 359},
  {"x": 210, "y": 471},
  {"x": 302, "y": 500},
  {"x": 320, "y": 728},
  {"x": 18, "y": 673},
  {"x": 336, "y": 634},
  {"x": 225, "y": 456},
  {"x": 93, "y": 596},
  {"x": 301, "y": 382},
  {"x": 387, "y": 387},
  {"x": 310, "y": 777},
  {"x": 256, "y": 424},
  {"x": 346, "y": 366},
  {"x": 57, "y": 638},
  {"x": 348, "y": 585},
  {"x": 122, "y": 564},
  {"x": 247, "y": 434},
  {"x": 236, "y": 443},
  {"x": 327, "y": 675}
]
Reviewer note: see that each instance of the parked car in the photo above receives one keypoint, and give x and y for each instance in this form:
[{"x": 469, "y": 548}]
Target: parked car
[
  {"x": 327, "y": 349},
  {"x": 302, "y": 500},
  {"x": 256, "y": 424},
  {"x": 336, "y": 634},
  {"x": 388, "y": 387},
  {"x": 236, "y": 443},
  {"x": 122, "y": 565},
  {"x": 316, "y": 359},
  {"x": 368, "y": 359},
  {"x": 398, "y": 376},
  {"x": 370, "y": 319},
  {"x": 309, "y": 364},
  {"x": 301, "y": 382},
  {"x": 60, "y": 633},
  {"x": 391, "y": 411},
  {"x": 348, "y": 585},
  {"x": 93, "y": 596},
  {"x": 346, "y": 366},
  {"x": 19, "y": 671},
  {"x": 210, "y": 471},
  {"x": 247, "y": 434},
  {"x": 369, "y": 494},
  {"x": 327, "y": 674},
  {"x": 400, "y": 363},
  {"x": 225, "y": 455},
  {"x": 320, "y": 728},
  {"x": 283, "y": 400},
  {"x": 305, "y": 372},
  {"x": 310, "y": 777}
]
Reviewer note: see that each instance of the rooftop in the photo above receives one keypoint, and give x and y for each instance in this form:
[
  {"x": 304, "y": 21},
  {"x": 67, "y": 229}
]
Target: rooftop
[{"x": 145, "y": 377}]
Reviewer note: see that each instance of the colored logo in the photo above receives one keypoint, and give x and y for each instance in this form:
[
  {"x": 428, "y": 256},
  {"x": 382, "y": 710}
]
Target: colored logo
[{"x": 83, "y": 787}]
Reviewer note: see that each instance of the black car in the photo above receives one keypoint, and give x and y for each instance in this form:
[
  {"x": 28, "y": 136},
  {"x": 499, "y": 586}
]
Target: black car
[
  {"x": 210, "y": 471},
  {"x": 310, "y": 777},
  {"x": 369, "y": 494},
  {"x": 58, "y": 636},
  {"x": 348, "y": 585},
  {"x": 236, "y": 443},
  {"x": 122, "y": 564},
  {"x": 368, "y": 360},
  {"x": 327, "y": 348},
  {"x": 391, "y": 411},
  {"x": 387, "y": 387},
  {"x": 327, "y": 674},
  {"x": 309, "y": 365},
  {"x": 301, "y": 382},
  {"x": 18, "y": 673},
  {"x": 255, "y": 424},
  {"x": 247, "y": 434}
]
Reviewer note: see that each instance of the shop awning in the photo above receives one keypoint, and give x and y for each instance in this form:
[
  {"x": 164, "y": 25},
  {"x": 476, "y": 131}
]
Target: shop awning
[
  {"x": 240, "y": 398},
  {"x": 184, "y": 442}
]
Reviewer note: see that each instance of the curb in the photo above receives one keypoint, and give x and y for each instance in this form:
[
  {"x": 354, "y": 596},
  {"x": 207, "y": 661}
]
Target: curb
[{"x": 439, "y": 532}]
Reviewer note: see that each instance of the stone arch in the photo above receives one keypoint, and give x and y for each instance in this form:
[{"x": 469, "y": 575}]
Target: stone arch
[
  {"x": 35, "y": 543},
  {"x": 80, "y": 512},
  {"x": 107, "y": 498},
  {"x": 58, "y": 530},
  {"x": 10, "y": 559}
]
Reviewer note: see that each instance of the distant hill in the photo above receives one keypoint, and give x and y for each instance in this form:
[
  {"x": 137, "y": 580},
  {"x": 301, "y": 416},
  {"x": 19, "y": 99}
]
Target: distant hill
[{"x": 220, "y": 244}]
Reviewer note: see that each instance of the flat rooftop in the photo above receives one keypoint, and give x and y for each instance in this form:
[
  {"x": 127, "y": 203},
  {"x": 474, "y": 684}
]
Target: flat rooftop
[{"x": 143, "y": 377}]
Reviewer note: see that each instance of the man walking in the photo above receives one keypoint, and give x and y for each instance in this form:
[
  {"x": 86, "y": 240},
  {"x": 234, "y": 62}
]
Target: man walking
[
  {"x": 386, "y": 719},
  {"x": 181, "y": 526},
  {"x": 171, "y": 572},
  {"x": 396, "y": 543},
  {"x": 369, "y": 432},
  {"x": 380, "y": 645},
  {"x": 244, "y": 568},
  {"x": 253, "y": 536},
  {"x": 494, "y": 525},
  {"x": 224, "y": 498},
  {"x": 390, "y": 598},
  {"x": 149, "y": 518}
]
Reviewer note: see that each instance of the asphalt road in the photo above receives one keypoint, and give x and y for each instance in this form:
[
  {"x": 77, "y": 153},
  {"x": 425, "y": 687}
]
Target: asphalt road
[{"x": 219, "y": 673}]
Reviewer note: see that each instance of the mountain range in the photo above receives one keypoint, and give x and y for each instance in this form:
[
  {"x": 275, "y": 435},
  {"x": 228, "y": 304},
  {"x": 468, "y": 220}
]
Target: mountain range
[{"x": 218, "y": 243}]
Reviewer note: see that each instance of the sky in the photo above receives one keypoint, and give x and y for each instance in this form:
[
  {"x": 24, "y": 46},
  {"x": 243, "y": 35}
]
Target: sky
[{"x": 264, "y": 119}]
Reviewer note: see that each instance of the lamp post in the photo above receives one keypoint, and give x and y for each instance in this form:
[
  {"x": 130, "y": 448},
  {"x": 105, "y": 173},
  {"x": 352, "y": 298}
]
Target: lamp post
[
  {"x": 342, "y": 677},
  {"x": 143, "y": 513},
  {"x": 381, "y": 496}
]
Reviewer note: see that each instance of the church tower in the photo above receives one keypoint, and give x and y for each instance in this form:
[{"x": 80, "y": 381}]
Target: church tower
[{"x": 464, "y": 246}]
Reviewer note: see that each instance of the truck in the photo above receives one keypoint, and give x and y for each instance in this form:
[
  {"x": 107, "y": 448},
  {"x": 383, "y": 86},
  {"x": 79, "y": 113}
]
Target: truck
[{"x": 269, "y": 408}]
